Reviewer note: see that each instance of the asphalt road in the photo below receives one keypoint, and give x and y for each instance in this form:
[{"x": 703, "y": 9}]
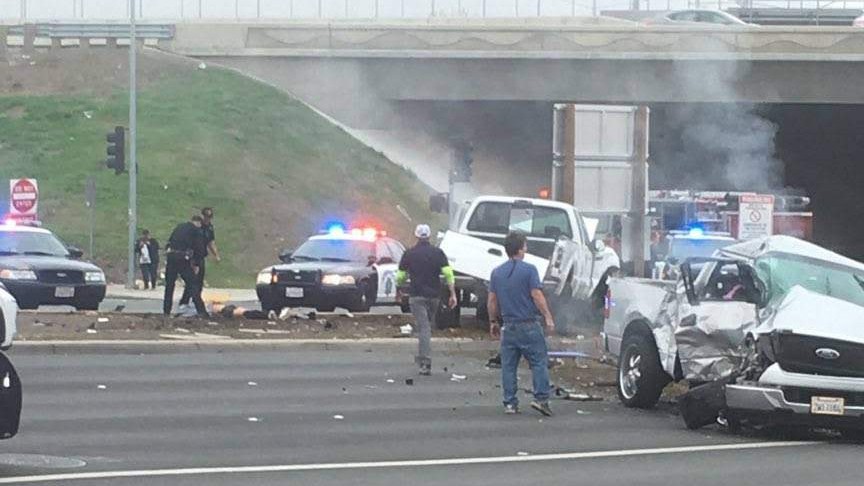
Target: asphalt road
[{"x": 270, "y": 417}]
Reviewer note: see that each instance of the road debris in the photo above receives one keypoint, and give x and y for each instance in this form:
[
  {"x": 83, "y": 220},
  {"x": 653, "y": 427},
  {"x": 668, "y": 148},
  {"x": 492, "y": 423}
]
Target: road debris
[
  {"x": 521, "y": 453},
  {"x": 252, "y": 383},
  {"x": 494, "y": 362},
  {"x": 409, "y": 381},
  {"x": 391, "y": 380},
  {"x": 339, "y": 417},
  {"x": 101, "y": 387},
  {"x": 253, "y": 419},
  {"x": 92, "y": 331},
  {"x": 406, "y": 330},
  {"x": 458, "y": 378}
]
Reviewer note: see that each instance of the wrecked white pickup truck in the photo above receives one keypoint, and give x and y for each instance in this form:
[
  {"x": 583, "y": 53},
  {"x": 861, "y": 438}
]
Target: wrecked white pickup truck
[
  {"x": 573, "y": 265},
  {"x": 770, "y": 331}
]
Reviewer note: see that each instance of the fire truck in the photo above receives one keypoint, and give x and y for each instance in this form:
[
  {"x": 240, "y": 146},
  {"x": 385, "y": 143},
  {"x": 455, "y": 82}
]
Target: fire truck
[{"x": 717, "y": 211}]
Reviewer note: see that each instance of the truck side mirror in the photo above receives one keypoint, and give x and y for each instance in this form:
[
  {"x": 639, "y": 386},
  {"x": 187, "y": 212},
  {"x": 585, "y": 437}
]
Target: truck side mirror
[
  {"x": 598, "y": 245},
  {"x": 687, "y": 279},
  {"x": 286, "y": 256},
  {"x": 74, "y": 253}
]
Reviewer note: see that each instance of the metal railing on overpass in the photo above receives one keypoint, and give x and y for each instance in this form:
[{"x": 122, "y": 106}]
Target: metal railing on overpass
[
  {"x": 172, "y": 11},
  {"x": 97, "y": 31}
]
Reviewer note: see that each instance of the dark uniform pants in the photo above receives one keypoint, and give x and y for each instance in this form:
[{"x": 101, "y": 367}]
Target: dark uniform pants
[
  {"x": 178, "y": 264},
  {"x": 187, "y": 293}
]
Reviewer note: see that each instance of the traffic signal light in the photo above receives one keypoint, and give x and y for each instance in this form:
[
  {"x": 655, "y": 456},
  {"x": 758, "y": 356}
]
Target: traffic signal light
[{"x": 116, "y": 150}]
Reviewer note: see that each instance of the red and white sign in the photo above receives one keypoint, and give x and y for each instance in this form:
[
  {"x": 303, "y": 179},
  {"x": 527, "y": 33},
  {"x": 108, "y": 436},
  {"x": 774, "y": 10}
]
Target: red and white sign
[
  {"x": 756, "y": 216},
  {"x": 23, "y": 199}
]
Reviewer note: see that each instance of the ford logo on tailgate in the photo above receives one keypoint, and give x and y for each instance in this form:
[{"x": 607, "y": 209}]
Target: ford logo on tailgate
[{"x": 827, "y": 353}]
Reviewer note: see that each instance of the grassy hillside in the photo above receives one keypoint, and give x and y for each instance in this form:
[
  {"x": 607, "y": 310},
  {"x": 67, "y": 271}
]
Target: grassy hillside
[{"x": 273, "y": 169}]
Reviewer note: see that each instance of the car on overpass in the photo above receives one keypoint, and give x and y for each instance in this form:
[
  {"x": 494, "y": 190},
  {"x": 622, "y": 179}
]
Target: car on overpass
[
  {"x": 38, "y": 269},
  {"x": 696, "y": 17}
]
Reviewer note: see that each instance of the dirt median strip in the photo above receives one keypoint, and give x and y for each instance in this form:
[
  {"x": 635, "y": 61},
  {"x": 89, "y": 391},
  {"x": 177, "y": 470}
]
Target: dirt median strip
[{"x": 210, "y": 345}]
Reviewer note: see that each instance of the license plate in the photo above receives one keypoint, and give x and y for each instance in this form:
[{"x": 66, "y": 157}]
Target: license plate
[
  {"x": 294, "y": 292},
  {"x": 64, "y": 292},
  {"x": 827, "y": 406}
]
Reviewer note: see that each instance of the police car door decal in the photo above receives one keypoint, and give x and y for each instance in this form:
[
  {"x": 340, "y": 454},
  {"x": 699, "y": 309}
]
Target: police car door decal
[
  {"x": 387, "y": 283},
  {"x": 386, "y": 274}
]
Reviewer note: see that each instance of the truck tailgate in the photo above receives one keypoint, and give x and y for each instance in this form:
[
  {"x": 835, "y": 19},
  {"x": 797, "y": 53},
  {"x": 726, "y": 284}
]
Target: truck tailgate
[{"x": 477, "y": 257}]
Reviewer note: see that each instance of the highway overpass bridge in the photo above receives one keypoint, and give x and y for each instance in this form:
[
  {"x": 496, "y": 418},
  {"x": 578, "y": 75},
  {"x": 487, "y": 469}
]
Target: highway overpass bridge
[{"x": 538, "y": 60}]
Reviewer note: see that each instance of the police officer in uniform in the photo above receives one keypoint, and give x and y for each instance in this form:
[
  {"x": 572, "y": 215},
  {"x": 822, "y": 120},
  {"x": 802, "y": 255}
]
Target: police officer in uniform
[
  {"x": 184, "y": 249},
  {"x": 209, "y": 235}
]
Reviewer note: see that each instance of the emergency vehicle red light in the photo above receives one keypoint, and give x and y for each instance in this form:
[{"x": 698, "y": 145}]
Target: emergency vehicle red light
[{"x": 545, "y": 193}]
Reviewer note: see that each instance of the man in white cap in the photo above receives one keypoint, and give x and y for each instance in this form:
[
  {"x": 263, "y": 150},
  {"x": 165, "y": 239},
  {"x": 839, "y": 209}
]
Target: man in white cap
[{"x": 425, "y": 264}]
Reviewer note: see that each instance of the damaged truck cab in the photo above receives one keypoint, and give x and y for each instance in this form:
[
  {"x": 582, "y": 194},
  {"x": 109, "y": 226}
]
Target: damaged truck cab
[{"x": 770, "y": 330}]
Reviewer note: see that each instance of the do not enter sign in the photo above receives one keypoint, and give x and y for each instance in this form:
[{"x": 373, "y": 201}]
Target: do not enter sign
[
  {"x": 23, "y": 199},
  {"x": 756, "y": 218}
]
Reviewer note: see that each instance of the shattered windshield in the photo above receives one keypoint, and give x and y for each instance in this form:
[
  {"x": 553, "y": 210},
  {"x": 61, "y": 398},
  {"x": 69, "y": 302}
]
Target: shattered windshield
[{"x": 780, "y": 273}]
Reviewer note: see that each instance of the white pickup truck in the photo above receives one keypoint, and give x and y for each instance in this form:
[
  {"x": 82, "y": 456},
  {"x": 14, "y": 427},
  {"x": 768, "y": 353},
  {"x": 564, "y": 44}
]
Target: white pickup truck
[
  {"x": 10, "y": 384},
  {"x": 770, "y": 331},
  {"x": 560, "y": 244}
]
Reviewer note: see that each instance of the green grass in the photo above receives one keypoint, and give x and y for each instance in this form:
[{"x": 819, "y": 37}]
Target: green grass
[{"x": 273, "y": 169}]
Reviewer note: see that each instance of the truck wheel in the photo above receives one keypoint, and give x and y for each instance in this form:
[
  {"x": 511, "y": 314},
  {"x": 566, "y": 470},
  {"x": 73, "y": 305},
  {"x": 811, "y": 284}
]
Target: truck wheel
[
  {"x": 482, "y": 313},
  {"x": 640, "y": 377},
  {"x": 447, "y": 317}
]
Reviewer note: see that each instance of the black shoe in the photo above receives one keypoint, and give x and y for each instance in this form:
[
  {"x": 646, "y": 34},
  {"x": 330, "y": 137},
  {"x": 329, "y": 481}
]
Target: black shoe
[
  {"x": 511, "y": 409},
  {"x": 542, "y": 407},
  {"x": 494, "y": 362},
  {"x": 425, "y": 370}
]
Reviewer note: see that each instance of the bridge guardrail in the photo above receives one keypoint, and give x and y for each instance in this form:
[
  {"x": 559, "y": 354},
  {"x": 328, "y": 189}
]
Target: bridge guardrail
[{"x": 98, "y": 31}]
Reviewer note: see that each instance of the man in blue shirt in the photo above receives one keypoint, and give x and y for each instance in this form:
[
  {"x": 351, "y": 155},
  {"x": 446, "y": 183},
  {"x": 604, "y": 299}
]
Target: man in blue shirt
[{"x": 516, "y": 305}]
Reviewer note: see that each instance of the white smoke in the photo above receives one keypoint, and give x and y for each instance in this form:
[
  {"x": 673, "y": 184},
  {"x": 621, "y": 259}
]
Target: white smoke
[{"x": 733, "y": 146}]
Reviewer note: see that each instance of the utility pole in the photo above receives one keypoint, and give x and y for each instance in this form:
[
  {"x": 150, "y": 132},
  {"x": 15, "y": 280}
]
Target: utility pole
[
  {"x": 133, "y": 162},
  {"x": 639, "y": 212}
]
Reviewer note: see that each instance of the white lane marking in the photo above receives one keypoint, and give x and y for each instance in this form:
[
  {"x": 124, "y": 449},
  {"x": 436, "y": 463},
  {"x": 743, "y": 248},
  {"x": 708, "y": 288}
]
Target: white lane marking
[{"x": 396, "y": 464}]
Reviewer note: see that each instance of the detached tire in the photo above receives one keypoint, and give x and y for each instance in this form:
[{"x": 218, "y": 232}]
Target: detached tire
[{"x": 641, "y": 379}]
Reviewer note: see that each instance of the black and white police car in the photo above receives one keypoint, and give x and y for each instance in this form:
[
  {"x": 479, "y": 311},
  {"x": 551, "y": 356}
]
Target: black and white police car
[
  {"x": 38, "y": 269},
  {"x": 353, "y": 269}
]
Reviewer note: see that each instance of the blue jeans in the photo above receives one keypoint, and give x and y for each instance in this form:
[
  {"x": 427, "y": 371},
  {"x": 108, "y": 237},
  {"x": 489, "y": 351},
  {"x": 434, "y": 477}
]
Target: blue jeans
[{"x": 518, "y": 340}]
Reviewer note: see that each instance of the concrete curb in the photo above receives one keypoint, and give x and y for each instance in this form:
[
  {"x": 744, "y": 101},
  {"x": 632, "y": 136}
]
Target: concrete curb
[{"x": 234, "y": 345}]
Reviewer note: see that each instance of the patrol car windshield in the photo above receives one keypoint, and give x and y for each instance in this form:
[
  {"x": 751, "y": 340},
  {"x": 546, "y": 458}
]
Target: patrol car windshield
[
  {"x": 30, "y": 243},
  {"x": 684, "y": 248},
  {"x": 335, "y": 250}
]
